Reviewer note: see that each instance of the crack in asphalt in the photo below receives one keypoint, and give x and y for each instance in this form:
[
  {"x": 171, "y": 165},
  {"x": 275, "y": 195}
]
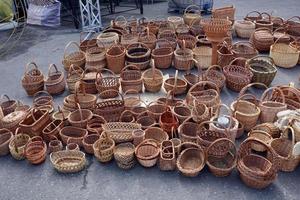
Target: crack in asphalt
[{"x": 86, "y": 171}]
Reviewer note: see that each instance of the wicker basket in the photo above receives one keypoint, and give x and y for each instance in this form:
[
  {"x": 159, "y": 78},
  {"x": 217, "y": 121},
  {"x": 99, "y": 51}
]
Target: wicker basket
[
  {"x": 55, "y": 83},
  {"x": 107, "y": 39},
  {"x": 115, "y": 57},
  {"x": 74, "y": 75},
  {"x": 124, "y": 155},
  {"x": 138, "y": 54},
  {"x": 200, "y": 112},
  {"x": 244, "y": 49},
  {"x": 95, "y": 57},
  {"x": 105, "y": 83},
  {"x": 176, "y": 85},
  {"x": 296, "y": 44},
  {"x": 76, "y": 58},
  {"x": 9, "y": 105},
  {"x": 263, "y": 69},
  {"x": 253, "y": 18},
  {"x": 183, "y": 58},
  {"x": 131, "y": 79},
  {"x": 265, "y": 22},
  {"x": 244, "y": 28},
  {"x": 162, "y": 56},
  {"x": 167, "y": 158},
  {"x": 190, "y": 41},
  {"x": 94, "y": 125},
  {"x": 155, "y": 109},
  {"x": 269, "y": 108},
  {"x": 224, "y": 13},
  {"x": 87, "y": 43},
  {"x": 182, "y": 30},
  {"x": 80, "y": 117},
  {"x": 192, "y": 78},
  {"x": 156, "y": 134},
  {"x": 192, "y": 13},
  {"x": 256, "y": 171},
  {"x": 147, "y": 153},
  {"x": 191, "y": 161},
  {"x": 146, "y": 121},
  {"x": 284, "y": 55},
  {"x": 36, "y": 150},
  {"x": 293, "y": 26},
  {"x": 17, "y": 145},
  {"x": 182, "y": 112},
  {"x": 129, "y": 38},
  {"x": 152, "y": 79},
  {"x": 225, "y": 55},
  {"x": 216, "y": 28},
  {"x": 203, "y": 55},
  {"x": 167, "y": 36},
  {"x": 175, "y": 20},
  {"x": 215, "y": 74},
  {"x": 280, "y": 35},
  {"x": 88, "y": 80},
  {"x": 168, "y": 121},
  {"x": 237, "y": 76},
  {"x": 246, "y": 113},
  {"x": 88, "y": 142},
  {"x": 262, "y": 39},
  {"x": 52, "y": 130},
  {"x": 120, "y": 131},
  {"x": 71, "y": 134},
  {"x": 187, "y": 132},
  {"x": 55, "y": 145},
  {"x": 67, "y": 161},
  {"x": 33, "y": 79},
  {"x": 148, "y": 38},
  {"x": 221, "y": 157},
  {"x": 5, "y": 137}
]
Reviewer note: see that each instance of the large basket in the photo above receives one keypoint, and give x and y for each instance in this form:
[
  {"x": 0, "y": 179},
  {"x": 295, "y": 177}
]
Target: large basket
[
  {"x": 156, "y": 134},
  {"x": 263, "y": 69},
  {"x": 148, "y": 38},
  {"x": 33, "y": 79},
  {"x": 284, "y": 55},
  {"x": 216, "y": 28},
  {"x": 71, "y": 134},
  {"x": 76, "y": 58},
  {"x": 88, "y": 80},
  {"x": 131, "y": 78},
  {"x": 85, "y": 44},
  {"x": 183, "y": 58},
  {"x": 262, "y": 39},
  {"x": 190, "y": 41},
  {"x": 17, "y": 145},
  {"x": 138, "y": 54},
  {"x": 203, "y": 56},
  {"x": 55, "y": 83},
  {"x": 182, "y": 112},
  {"x": 170, "y": 37},
  {"x": 36, "y": 150},
  {"x": 187, "y": 132},
  {"x": 80, "y": 117},
  {"x": 296, "y": 44},
  {"x": 115, "y": 57},
  {"x": 104, "y": 148},
  {"x": 68, "y": 161},
  {"x": 244, "y": 28},
  {"x": 152, "y": 79},
  {"x": 191, "y": 161},
  {"x": 108, "y": 82},
  {"x": 120, "y": 131}
]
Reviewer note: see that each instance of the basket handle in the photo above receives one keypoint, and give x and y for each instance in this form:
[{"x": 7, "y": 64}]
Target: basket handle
[
  {"x": 267, "y": 15},
  {"x": 127, "y": 111},
  {"x": 294, "y": 17},
  {"x": 196, "y": 9},
  {"x": 276, "y": 41},
  {"x": 80, "y": 111},
  {"x": 105, "y": 70},
  {"x": 130, "y": 66},
  {"x": 224, "y": 140},
  {"x": 120, "y": 18},
  {"x": 216, "y": 123},
  {"x": 83, "y": 32},
  {"x": 264, "y": 95},
  {"x": 244, "y": 89},
  {"x": 175, "y": 81},
  {"x": 72, "y": 69},
  {"x": 51, "y": 67},
  {"x": 69, "y": 44},
  {"x": 41, "y": 93},
  {"x": 217, "y": 67},
  {"x": 254, "y": 12},
  {"x": 236, "y": 59},
  {"x": 5, "y": 96},
  {"x": 285, "y": 133},
  {"x": 246, "y": 43},
  {"x": 30, "y": 64},
  {"x": 241, "y": 97},
  {"x": 165, "y": 40},
  {"x": 138, "y": 44},
  {"x": 153, "y": 69},
  {"x": 78, "y": 85},
  {"x": 112, "y": 90}
]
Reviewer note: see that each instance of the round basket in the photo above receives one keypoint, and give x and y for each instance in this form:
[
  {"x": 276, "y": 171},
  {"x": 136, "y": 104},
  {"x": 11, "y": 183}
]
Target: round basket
[
  {"x": 187, "y": 132},
  {"x": 262, "y": 39},
  {"x": 131, "y": 78},
  {"x": 146, "y": 121},
  {"x": 76, "y": 58},
  {"x": 124, "y": 155},
  {"x": 284, "y": 55},
  {"x": 293, "y": 26},
  {"x": 237, "y": 76},
  {"x": 182, "y": 29},
  {"x": 190, "y": 41},
  {"x": 168, "y": 121},
  {"x": 152, "y": 79},
  {"x": 296, "y": 44},
  {"x": 55, "y": 83},
  {"x": 75, "y": 74},
  {"x": 191, "y": 161},
  {"x": 94, "y": 125},
  {"x": 203, "y": 55},
  {"x": 263, "y": 69},
  {"x": 17, "y": 145},
  {"x": 167, "y": 36},
  {"x": 244, "y": 49},
  {"x": 55, "y": 145},
  {"x": 162, "y": 56},
  {"x": 192, "y": 13},
  {"x": 225, "y": 55},
  {"x": 175, "y": 20},
  {"x": 138, "y": 54},
  {"x": 265, "y": 22},
  {"x": 95, "y": 57},
  {"x": 244, "y": 28},
  {"x": 67, "y": 161},
  {"x": 115, "y": 57},
  {"x": 71, "y": 134},
  {"x": 104, "y": 148},
  {"x": 215, "y": 74},
  {"x": 88, "y": 142},
  {"x": 5, "y": 137},
  {"x": 120, "y": 131},
  {"x": 107, "y": 39},
  {"x": 182, "y": 112},
  {"x": 36, "y": 150},
  {"x": 221, "y": 157},
  {"x": 157, "y": 134},
  {"x": 176, "y": 85},
  {"x": 8, "y": 106},
  {"x": 105, "y": 83},
  {"x": 200, "y": 112},
  {"x": 183, "y": 58},
  {"x": 155, "y": 109},
  {"x": 147, "y": 153},
  {"x": 33, "y": 79},
  {"x": 87, "y": 43},
  {"x": 216, "y": 28}
]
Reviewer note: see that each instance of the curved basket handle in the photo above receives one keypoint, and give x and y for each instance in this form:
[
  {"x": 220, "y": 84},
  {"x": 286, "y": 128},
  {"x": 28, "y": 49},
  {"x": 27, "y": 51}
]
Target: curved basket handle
[
  {"x": 62, "y": 113},
  {"x": 285, "y": 133},
  {"x": 69, "y": 44},
  {"x": 30, "y": 64},
  {"x": 234, "y": 153},
  {"x": 294, "y": 17},
  {"x": 276, "y": 41},
  {"x": 41, "y": 93},
  {"x": 245, "y": 88},
  {"x": 267, "y": 15},
  {"x": 241, "y": 98},
  {"x": 112, "y": 90},
  {"x": 51, "y": 67},
  {"x": 80, "y": 111},
  {"x": 130, "y": 66},
  {"x": 139, "y": 44},
  {"x": 72, "y": 69},
  {"x": 256, "y": 12},
  {"x": 264, "y": 95},
  {"x": 216, "y": 123},
  {"x": 237, "y": 59},
  {"x": 196, "y": 9},
  {"x": 127, "y": 111},
  {"x": 6, "y": 96}
]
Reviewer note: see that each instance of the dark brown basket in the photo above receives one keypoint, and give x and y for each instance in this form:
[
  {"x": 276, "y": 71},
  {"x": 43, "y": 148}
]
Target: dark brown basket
[
  {"x": 175, "y": 85},
  {"x": 215, "y": 74},
  {"x": 262, "y": 39},
  {"x": 253, "y": 18},
  {"x": 71, "y": 134},
  {"x": 265, "y": 22},
  {"x": 244, "y": 50},
  {"x": 36, "y": 150},
  {"x": 293, "y": 26},
  {"x": 80, "y": 117},
  {"x": 225, "y": 55},
  {"x": 138, "y": 54},
  {"x": 9, "y": 105}
]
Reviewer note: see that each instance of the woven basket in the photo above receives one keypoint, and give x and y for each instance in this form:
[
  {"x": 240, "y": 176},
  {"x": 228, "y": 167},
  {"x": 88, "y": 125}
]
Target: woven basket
[
  {"x": 237, "y": 76},
  {"x": 182, "y": 29},
  {"x": 17, "y": 145},
  {"x": 88, "y": 80},
  {"x": 156, "y": 134},
  {"x": 192, "y": 13},
  {"x": 191, "y": 161},
  {"x": 176, "y": 85},
  {"x": 167, "y": 158},
  {"x": 148, "y": 38},
  {"x": 262, "y": 39},
  {"x": 256, "y": 171},
  {"x": 155, "y": 109},
  {"x": 55, "y": 145},
  {"x": 36, "y": 150},
  {"x": 246, "y": 113},
  {"x": 265, "y": 22},
  {"x": 162, "y": 56},
  {"x": 72, "y": 134},
  {"x": 244, "y": 28},
  {"x": 76, "y": 58},
  {"x": 131, "y": 79},
  {"x": 120, "y": 131},
  {"x": 124, "y": 155},
  {"x": 183, "y": 58},
  {"x": 75, "y": 74},
  {"x": 263, "y": 69},
  {"x": 105, "y": 83},
  {"x": 190, "y": 41},
  {"x": 192, "y": 78},
  {"x": 167, "y": 36},
  {"x": 200, "y": 112},
  {"x": 215, "y": 74},
  {"x": 55, "y": 83},
  {"x": 225, "y": 56},
  {"x": 293, "y": 26},
  {"x": 9, "y": 105},
  {"x": 152, "y": 79},
  {"x": 182, "y": 112},
  {"x": 94, "y": 125},
  {"x": 52, "y": 130},
  {"x": 115, "y": 57},
  {"x": 104, "y": 148},
  {"x": 187, "y": 132},
  {"x": 95, "y": 57},
  {"x": 296, "y": 44},
  {"x": 216, "y": 28},
  {"x": 253, "y": 18},
  {"x": 168, "y": 121},
  {"x": 87, "y": 43},
  {"x": 129, "y": 38},
  {"x": 80, "y": 117},
  {"x": 175, "y": 20},
  {"x": 221, "y": 157},
  {"x": 224, "y": 13},
  {"x": 138, "y": 54},
  {"x": 107, "y": 39},
  {"x": 203, "y": 55},
  {"x": 88, "y": 142},
  {"x": 147, "y": 153},
  {"x": 68, "y": 161},
  {"x": 5, "y": 137},
  {"x": 33, "y": 79},
  {"x": 244, "y": 49},
  {"x": 280, "y": 35},
  {"x": 284, "y": 55},
  {"x": 269, "y": 108}
]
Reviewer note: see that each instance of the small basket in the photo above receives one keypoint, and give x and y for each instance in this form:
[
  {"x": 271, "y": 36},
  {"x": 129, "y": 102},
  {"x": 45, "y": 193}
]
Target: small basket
[
  {"x": 55, "y": 145},
  {"x": 215, "y": 74},
  {"x": 157, "y": 134},
  {"x": 221, "y": 157},
  {"x": 167, "y": 158},
  {"x": 225, "y": 55},
  {"x": 88, "y": 142},
  {"x": 131, "y": 79},
  {"x": 203, "y": 56},
  {"x": 80, "y": 117},
  {"x": 182, "y": 112},
  {"x": 55, "y": 83},
  {"x": 36, "y": 150},
  {"x": 216, "y": 28},
  {"x": 8, "y": 106},
  {"x": 148, "y": 38},
  {"x": 293, "y": 26},
  {"x": 147, "y": 153},
  {"x": 190, "y": 41},
  {"x": 244, "y": 28},
  {"x": 104, "y": 148},
  {"x": 68, "y": 161},
  {"x": 262, "y": 39},
  {"x": 87, "y": 43},
  {"x": 129, "y": 38},
  {"x": 187, "y": 132},
  {"x": 192, "y": 13},
  {"x": 124, "y": 155},
  {"x": 17, "y": 145},
  {"x": 265, "y": 22},
  {"x": 52, "y": 130},
  {"x": 162, "y": 56},
  {"x": 71, "y": 134},
  {"x": 263, "y": 69},
  {"x": 152, "y": 79},
  {"x": 169, "y": 36},
  {"x": 284, "y": 55},
  {"x": 5, "y": 137},
  {"x": 191, "y": 161},
  {"x": 115, "y": 57},
  {"x": 200, "y": 112},
  {"x": 94, "y": 125},
  {"x": 88, "y": 80},
  {"x": 183, "y": 59},
  {"x": 155, "y": 109},
  {"x": 175, "y": 85},
  {"x": 32, "y": 80},
  {"x": 108, "y": 39},
  {"x": 95, "y": 57},
  {"x": 168, "y": 121},
  {"x": 76, "y": 58},
  {"x": 104, "y": 83},
  {"x": 74, "y": 75},
  {"x": 120, "y": 131}
]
